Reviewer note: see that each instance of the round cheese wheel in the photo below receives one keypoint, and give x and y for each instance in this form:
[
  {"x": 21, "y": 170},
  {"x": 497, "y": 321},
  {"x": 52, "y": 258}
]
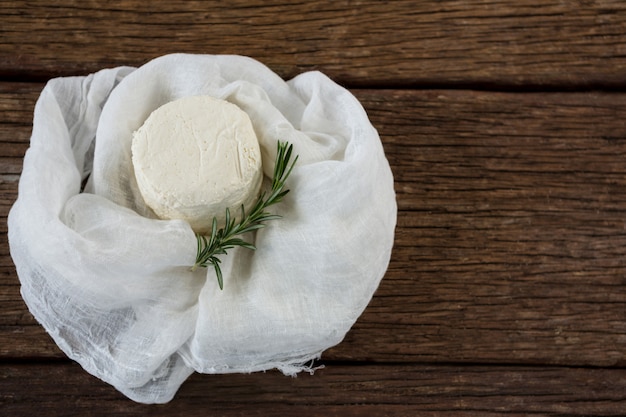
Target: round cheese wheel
[{"x": 196, "y": 156}]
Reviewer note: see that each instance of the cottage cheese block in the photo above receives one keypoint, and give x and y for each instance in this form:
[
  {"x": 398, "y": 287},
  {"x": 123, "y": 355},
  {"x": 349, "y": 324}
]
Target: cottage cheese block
[{"x": 196, "y": 156}]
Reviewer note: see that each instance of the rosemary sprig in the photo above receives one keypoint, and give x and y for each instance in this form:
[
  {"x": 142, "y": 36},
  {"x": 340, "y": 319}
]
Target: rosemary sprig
[{"x": 225, "y": 238}]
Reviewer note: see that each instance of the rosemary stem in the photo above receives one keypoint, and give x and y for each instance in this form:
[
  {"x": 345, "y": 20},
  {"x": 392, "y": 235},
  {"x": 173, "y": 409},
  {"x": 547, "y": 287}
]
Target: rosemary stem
[{"x": 224, "y": 238}]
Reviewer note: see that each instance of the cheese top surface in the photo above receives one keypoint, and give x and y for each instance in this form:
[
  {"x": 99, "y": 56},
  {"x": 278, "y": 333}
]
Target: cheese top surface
[{"x": 196, "y": 156}]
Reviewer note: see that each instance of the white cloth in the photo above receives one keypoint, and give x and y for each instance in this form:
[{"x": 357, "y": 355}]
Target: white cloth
[{"x": 112, "y": 284}]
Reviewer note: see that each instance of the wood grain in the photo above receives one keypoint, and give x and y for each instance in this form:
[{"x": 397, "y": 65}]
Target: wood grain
[
  {"x": 337, "y": 390},
  {"x": 489, "y": 43},
  {"x": 511, "y": 242}
]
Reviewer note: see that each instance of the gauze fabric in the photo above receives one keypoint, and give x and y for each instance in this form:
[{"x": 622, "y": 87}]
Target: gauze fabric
[{"x": 112, "y": 284}]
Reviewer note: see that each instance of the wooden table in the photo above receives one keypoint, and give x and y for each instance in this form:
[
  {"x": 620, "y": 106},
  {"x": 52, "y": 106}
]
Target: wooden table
[{"x": 505, "y": 125}]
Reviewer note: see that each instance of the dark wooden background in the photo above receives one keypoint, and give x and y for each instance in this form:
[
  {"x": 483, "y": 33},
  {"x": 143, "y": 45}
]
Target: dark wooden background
[{"x": 505, "y": 125}]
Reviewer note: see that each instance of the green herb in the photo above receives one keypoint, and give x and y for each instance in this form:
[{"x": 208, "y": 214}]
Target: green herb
[{"x": 223, "y": 239}]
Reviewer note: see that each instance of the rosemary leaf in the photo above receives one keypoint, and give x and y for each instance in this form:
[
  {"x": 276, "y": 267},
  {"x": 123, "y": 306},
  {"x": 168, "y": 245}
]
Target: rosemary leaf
[{"x": 223, "y": 239}]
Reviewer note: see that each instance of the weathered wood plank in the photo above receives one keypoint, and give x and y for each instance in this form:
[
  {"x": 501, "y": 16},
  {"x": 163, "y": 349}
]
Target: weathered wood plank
[
  {"x": 485, "y": 42},
  {"x": 338, "y": 390},
  {"x": 510, "y": 246}
]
